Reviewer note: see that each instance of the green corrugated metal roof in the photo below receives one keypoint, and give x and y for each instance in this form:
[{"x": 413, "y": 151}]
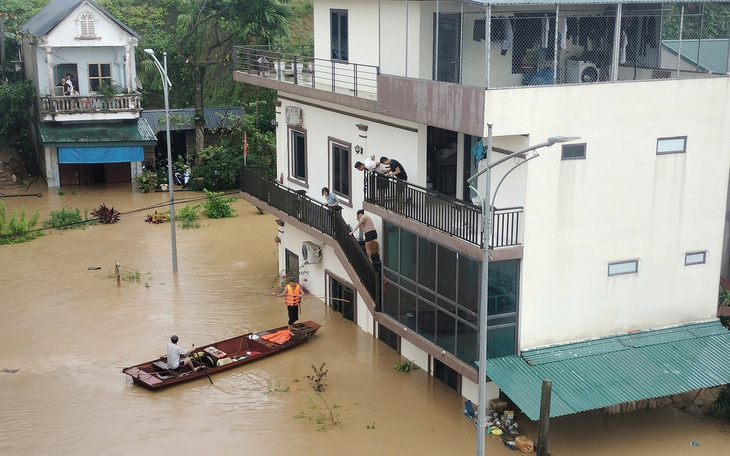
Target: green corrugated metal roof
[
  {"x": 612, "y": 370},
  {"x": 580, "y": 2},
  {"x": 136, "y": 133},
  {"x": 713, "y": 53}
]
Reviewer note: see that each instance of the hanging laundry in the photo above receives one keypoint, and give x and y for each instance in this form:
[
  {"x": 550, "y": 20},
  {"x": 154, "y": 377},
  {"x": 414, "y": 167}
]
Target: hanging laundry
[
  {"x": 563, "y": 32},
  {"x": 544, "y": 31},
  {"x": 505, "y": 33},
  {"x": 622, "y": 47}
]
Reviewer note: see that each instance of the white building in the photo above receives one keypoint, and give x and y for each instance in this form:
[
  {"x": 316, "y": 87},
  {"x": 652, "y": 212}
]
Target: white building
[
  {"x": 85, "y": 137},
  {"x": 616, "y": 233}
]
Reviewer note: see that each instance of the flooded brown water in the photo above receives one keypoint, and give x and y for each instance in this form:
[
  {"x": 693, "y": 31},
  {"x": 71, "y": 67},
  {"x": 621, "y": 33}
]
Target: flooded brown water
[{"x": 70, "y": 330}]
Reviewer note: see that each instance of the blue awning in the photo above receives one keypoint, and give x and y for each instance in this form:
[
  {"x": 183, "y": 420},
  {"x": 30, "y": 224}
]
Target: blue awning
[{"x": 119, "y": 154}]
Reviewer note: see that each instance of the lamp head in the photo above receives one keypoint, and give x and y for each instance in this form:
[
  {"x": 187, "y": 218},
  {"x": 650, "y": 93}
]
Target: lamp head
[
  {"x": 561, "y": 139},
  {"x": 150, "y": 51}
]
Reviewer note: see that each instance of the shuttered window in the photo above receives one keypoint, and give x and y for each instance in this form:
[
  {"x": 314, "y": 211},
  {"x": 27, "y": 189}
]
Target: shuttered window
[{"x": 86, "y": 21}]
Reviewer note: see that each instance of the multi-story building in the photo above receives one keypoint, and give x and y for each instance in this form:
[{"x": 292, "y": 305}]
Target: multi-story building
[
  {"x": 605, "y": 252},
  {"x": 85, "y": 134}
]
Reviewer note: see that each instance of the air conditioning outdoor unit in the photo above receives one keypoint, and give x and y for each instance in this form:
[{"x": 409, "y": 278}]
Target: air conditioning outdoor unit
[
  {"x": 293, "y": 116},
  {"x": 311, "y": 252},
  {"x": 581, "y": 72}
]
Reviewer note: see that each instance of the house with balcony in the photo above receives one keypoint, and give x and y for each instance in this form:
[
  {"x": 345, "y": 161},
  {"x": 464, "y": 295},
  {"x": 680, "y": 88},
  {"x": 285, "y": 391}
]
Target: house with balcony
[
  {"x": 85, "y": 135},
  {"x": 605, "y": 251}
]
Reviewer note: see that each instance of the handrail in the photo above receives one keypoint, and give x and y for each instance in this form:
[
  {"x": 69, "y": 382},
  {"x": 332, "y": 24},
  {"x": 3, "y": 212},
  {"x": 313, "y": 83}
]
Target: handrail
[
  {"x": 442, "y": 212},
  {"x": 90, "y": 103},
  {"x": 318, "y": 216}
]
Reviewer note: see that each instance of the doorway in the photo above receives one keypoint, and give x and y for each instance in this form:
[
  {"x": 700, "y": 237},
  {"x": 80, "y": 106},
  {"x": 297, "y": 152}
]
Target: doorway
[
  {"x": 343, "y": 298},
  {"x": 94, "y": 173},
  {"x": 441, "y": 160},
  {"x": 447, "y": 48}
]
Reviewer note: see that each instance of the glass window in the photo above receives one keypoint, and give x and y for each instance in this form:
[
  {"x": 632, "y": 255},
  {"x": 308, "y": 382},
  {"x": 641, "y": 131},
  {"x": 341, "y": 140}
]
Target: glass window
[
  {"x": 426, "y": 262},
  {"x": 694, "y": 258},
  {"x": 467, "y": 343},
  {"x": 390, "y": 299},
  {"x": 339, "y": 34},
  {"x": 500, "y": 341},
  {"x": 409, "y": 254},
  {"x": 408, "y": 310},
  {"x": 573, "y": 152},
  {"x": 675, "y": 145},
  {"x": 446, "y": 273},
  {"x": 425, "y": 294},
  {"x": 298, "y": 155},
  {"x": 391, "y": 243},
  {"x": 446, "y": 331},
  {"x": 470, "y": 274},
  {"x": 502, "y": 287},
  {"x": 99, "y": 73},
  {"x": 446, "y": 305},
  {"x": 341, "y": 170},
  {"x": 408, "y": 285},
  {"x": 426, "y": 320},
  {"x": 623, "y": 267}
]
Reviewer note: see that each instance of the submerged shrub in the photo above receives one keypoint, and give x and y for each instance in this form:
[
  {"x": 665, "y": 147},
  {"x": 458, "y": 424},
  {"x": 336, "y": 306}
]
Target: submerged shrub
[{"x": 18, "y": 228}]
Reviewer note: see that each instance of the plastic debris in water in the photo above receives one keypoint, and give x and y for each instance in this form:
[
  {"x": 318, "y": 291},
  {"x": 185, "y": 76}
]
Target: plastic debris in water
[
  {"x": 9, "y": 371},
  {"x": 694, "y": 443}
]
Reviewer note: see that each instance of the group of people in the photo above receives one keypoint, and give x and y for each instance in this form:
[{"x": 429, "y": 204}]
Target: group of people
[{"x": 68, "y": 85}]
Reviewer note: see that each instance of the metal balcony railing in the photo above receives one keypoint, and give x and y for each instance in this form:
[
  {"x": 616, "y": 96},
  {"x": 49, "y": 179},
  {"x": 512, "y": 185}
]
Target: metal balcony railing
[
  {"x": 452, "y": 216},
  {"x": 300, "y": 68},
  {"x": 76, "y": 104},
  {"x": 318, "y": 216}
]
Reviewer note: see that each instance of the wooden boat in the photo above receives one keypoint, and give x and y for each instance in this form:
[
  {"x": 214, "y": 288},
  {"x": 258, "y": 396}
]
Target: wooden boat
[{"x": 220, "y": 356}]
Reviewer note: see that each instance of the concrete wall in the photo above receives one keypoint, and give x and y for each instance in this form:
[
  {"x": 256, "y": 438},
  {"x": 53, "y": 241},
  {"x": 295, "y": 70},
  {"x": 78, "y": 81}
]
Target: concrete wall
[{"x": 623, "y": 202}]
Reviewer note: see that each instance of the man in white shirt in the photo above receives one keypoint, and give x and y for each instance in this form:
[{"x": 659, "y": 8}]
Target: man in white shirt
[{"x": 173, "y": 356}]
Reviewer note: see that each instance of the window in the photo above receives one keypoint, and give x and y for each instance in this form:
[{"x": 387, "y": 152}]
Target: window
[
  {"x": 86, "y": 25},
  {"x": 675, "y": 145},
  {"x": 298, "y": 146},
  {"x": 691, "y": 258},
  {"x": 338, "y": 34},
  {"x": 99, "y": 73},
  {"x": 291, "y": 261},
  {"x": 340, "y": 160},
  {"x": 573, "y": 152},
  {"x": 623, "y": 267}
]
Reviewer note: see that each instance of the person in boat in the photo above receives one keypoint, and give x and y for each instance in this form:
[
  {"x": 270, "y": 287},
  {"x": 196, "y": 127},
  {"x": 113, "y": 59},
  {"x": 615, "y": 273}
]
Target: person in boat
[
  {"x": 173, "y": 356},
  {"x": 292, "y": 298}
]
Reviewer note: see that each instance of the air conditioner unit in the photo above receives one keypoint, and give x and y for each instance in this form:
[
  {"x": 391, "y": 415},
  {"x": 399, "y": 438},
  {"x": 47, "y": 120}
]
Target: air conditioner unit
[
  {"x": 311, "y": 252},
  {"x": 581, "y": 72},
  {"x": 293, "y": 116}
]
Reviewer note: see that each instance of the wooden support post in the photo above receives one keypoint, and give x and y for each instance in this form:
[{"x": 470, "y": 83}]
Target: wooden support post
[
  {"x": 118, "y": 274},
  {"x": 544, "y": 424}
]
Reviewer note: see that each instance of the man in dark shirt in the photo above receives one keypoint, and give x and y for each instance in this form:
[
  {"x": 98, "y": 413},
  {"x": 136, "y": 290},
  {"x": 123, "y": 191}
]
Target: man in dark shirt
[{"x": 397, "y": 171}]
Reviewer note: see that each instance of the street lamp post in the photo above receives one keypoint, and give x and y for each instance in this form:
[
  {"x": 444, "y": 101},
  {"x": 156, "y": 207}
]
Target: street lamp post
[
  {"x": 486, "y": 221},
  {"x": 166, "y": 84}
]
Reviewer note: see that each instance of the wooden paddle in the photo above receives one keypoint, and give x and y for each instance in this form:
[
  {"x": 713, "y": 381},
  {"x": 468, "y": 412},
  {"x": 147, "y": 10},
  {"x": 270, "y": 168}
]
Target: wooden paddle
[{"x": 205, "y": 368}]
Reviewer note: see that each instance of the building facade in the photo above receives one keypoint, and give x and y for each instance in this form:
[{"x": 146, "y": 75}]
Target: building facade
[
  {"x": 88, "y": 131},
  {"x": 616, "y": 232}
]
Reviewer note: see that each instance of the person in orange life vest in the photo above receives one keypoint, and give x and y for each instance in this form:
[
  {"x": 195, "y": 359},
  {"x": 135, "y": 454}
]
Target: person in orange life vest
[{"x": 292, "y": 298}]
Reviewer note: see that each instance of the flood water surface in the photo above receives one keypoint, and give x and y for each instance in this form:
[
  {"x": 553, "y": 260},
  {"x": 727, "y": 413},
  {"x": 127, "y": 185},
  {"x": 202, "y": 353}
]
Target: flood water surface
[{"x": 70, "y": 330}]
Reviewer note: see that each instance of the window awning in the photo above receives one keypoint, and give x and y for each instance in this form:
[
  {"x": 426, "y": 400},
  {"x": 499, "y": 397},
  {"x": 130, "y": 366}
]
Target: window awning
[
  {"x": 119, "y": 154},
  {"x": 97, "y": 134},
  {"x": 612, "y": 370}
]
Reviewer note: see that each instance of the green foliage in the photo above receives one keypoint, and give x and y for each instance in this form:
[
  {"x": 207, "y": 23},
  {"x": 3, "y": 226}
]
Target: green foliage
[
  {"x": 66, "y": 218},
  {"x": 106, "y": 215},
  {"x": 325, "y": 416},
  {"x": 721, "y": 405},
  {"x": 317, "y": 381},
  {"x": 220, "y": 170},
  {"x": 16, "y": 100},
  {"x": 106, "y": 90},
  {"x": 405, "y": 366},
  {"x": 61, "y": 192},
  {"x": 369, "y": 426},
  {"x": 188, "y": 216},
  {"x": 218, "y": 206},
  {"x": 128, "y": 274},
  {"x": 714, "y": 23},
  {"x": 146, "y": 181},
  {"x": 18, "y": 228},
  {"x": 287, "y": 276}
]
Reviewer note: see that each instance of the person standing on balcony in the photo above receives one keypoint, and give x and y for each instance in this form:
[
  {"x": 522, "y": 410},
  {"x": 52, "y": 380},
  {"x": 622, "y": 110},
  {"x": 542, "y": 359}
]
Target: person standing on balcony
[
  {"x": 371, "y": 236},
  {"x": 399, "y": 172},
  {"x": 70, "y": 87},
  {"x": 330, "y": 198},
  {"x": 377, "y": 167}
]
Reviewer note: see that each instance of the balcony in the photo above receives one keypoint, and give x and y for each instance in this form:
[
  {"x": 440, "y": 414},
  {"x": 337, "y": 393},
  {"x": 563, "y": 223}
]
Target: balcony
[
  {"x": 298, "y": 72},
  {"x": 318, "y": 216},
  {"x": 90, "y": 107},
  {"x": 449, "y": 215}
]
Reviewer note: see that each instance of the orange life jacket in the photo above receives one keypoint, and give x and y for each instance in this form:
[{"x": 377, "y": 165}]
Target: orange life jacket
[{"x": 292, "y": 296}]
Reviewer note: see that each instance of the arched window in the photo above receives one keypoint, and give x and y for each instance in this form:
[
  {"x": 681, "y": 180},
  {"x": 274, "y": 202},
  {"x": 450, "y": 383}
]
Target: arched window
[{"x": 86, "y": 22}]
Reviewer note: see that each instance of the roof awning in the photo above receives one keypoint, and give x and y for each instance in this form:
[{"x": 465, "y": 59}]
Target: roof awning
[
  {"x": 96, "y": 134},
  {"x": 612, "y": 370}
]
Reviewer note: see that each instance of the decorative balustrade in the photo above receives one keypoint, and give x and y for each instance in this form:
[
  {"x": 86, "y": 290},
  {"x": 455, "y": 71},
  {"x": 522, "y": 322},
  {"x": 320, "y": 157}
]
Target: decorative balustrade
[{"x": 77, "y": 104}]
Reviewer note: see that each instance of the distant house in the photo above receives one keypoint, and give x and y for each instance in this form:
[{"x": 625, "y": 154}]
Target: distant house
[
  {"x": 182, "y": 130},
  {"x": 85, "y": 135}
]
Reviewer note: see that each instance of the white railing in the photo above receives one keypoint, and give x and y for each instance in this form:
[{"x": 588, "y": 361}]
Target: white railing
[{"x": 76, "y": 104}]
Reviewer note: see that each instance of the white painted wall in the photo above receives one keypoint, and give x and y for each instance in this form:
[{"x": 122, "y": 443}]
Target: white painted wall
[
  {"x": 622, "y": 202},
  {"x": 363, "y": 29}
]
